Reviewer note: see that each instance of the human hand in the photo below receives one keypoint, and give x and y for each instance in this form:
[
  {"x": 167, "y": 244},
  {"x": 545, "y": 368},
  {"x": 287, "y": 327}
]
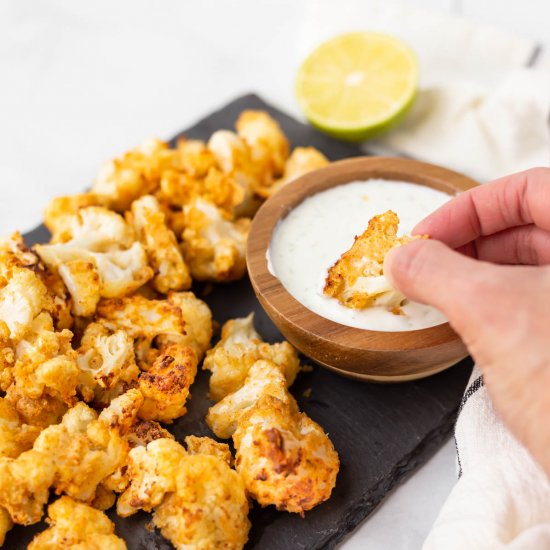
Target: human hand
[{"x": 486, "y": 267}]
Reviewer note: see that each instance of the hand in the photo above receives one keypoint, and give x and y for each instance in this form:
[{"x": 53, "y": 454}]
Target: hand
[{"x": 502, "y": 312}]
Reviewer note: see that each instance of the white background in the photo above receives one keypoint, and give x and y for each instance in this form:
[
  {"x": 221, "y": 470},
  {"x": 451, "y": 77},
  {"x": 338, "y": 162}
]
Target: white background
[{"x": 82, "y": 81}]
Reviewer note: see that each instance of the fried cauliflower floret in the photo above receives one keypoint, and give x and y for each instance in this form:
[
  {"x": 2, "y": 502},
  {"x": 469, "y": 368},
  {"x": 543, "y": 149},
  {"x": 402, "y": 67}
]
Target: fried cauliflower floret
[
  {"x": 16, "y": 437},
  {"x": 25, "y": 485},
  {"x": 40, "y": 411},
  {"x": 198, "y": 323},
  {"x": 58, "y": 216},
  {"x": 136, "y": 173},
  {"x": 106, "y": 361},
  {"x": 268, "y": 144},
  {"x": 140, "y": 317},
  {"x": 45, "y": 362},
  {"x": 165, "y": 386},
  {"x": 23, "y": 296},
  {"x": 214, "y": 246},
  {"x": 199, "y": 501},
  {"x": 142, "y": 432},
  {"x": 357, "y": 279},
  {"x": 234, "y": 158},
  {"x": 7, "y": 357},
  {"x": 264, "y": 378},
  {"x": 301, "y": 161},
  {"x": 284, "y": 458},
  {"x": 195, "y": 158},
  {"x": 207, "y": 446},
  {"x": 5, "y": 525},
  {"x": 171, "y": 272},
  {"x": 74, "y": 525},
  {"x": 239, "y": 348},
  {"x": 208, "y": 509}
]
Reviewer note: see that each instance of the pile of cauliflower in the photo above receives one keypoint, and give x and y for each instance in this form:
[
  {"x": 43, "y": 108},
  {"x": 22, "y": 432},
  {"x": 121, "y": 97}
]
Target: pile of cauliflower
[{"x": 101, "y": 339}]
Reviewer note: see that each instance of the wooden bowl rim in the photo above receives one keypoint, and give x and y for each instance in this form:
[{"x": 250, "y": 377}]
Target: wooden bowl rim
[{"x": 271, "y": 291}]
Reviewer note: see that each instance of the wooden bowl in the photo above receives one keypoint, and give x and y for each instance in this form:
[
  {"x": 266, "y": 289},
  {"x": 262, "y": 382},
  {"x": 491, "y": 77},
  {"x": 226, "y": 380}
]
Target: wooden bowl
[{"x": 363, "y": 354}]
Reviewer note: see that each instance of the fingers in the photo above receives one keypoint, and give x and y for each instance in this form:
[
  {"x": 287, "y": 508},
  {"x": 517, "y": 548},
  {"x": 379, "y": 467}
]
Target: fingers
[
  {"x": 429, "y": 272},
  {"x": 527, "y": 245},
  {"x": 516, "y": 200}
]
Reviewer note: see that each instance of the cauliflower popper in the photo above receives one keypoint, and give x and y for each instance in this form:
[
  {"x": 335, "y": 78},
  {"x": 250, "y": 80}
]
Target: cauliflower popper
[
  {"x": 101, "y": 339},
  {"x": 357, "y": 279}
]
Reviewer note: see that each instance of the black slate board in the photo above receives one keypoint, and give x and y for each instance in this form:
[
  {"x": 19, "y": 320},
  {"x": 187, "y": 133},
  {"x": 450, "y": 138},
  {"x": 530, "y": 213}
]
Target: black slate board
[{"x": 382, "y": 432}]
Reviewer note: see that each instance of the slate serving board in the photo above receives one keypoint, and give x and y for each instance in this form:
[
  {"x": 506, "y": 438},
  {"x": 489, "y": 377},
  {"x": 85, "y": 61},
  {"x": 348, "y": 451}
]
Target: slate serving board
[{"x": 382, "y": 432}]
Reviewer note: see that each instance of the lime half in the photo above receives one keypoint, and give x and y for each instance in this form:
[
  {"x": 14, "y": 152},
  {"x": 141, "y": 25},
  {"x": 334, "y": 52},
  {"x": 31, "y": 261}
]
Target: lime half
[{"x": 357, "y": 85}]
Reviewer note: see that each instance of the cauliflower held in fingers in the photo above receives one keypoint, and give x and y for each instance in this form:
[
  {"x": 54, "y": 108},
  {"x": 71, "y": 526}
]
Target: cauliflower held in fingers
[
  {"x": 214, "y": 246},
  {"x": 301, "y": 161},
  {"x": 166, "y": 384},
  {"x": 264, "y": 378},
  {"x": 239, "y": 348},
  {"x": 199, "y": 501},
  {"x": 357, "y": 279},
  {"x": 284, "y": 458},
  {"x": 76, "y": 526},
  {"x": 171, "y": 272}
]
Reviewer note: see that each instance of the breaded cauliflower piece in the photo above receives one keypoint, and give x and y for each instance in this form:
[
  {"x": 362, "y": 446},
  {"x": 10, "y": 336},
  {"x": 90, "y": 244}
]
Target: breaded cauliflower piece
[
  {"x": 142, "y": 432},
  {"x": 198, "y": 323},
  {"x": 5, "y": 525},
  {"x": 84, "y": 285},
  {"x": 264, "y": 378},
  {"x": 268, "y": 145},
  {"x": 106, "y": 362},
  {"x": 195, "y": 158},
  {"x": 58, "y": 215},
  {"x": 25, "y": 485},
  {"x": 234, "y": 158},
  {"x": 140, "y": 317},
  {"x": 74, "y": 525},
  {"x": 171, "y": 272},
  {"x": 207, "y": 446},
  {"x": 40, "y": 411},
  {"x": 136, "y": 173},
  {"x": 199, "y": 501},
  {"x": 214, "y": 246},
  {"x": 166, "y": 384},
  {"x": 16, "y": 437},
  {"x": 357, "y": 279},
  {"x": 45, "y": 362},
  {"x": 301, "y": 161},
  {"x": 284, "y": 458},
  {"x": 239, "y": 348}
]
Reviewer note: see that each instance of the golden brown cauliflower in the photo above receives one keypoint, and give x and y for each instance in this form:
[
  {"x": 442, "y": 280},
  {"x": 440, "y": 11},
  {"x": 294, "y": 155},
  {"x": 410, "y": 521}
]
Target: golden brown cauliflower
[
  {"x": 74, "y": 525},
  {"x": 357, "y": 279},
  {"x": 140, "y": 317},
  {"x": 5, "y": 525},
  {"x": 58, "y": 216},
  {"x": 284, "y": 458},
  {"x": 15, "y": 436},
  {"x": 268, "y": 145},
  {"x": 207, "y": 446},
  {"x": 264, "y": 378},
  {"x": 171, "y": 272},
  {"x": 142, "y": 432},
  {"x": 165, "y": 386},
  {"x": 136, "y": 173},
  {"x": 199, "y": 501},
  {"x": 239, "y": 348},
  {"x": 214, "y": 246},
  {"x": 301, "y": 161},
  {"x": 106, "y": 363},
  {"x": 198, "y": 323}
]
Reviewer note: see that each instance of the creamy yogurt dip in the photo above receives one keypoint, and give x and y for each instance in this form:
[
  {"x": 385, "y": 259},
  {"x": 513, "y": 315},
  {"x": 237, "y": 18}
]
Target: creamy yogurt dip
[{"x": 315, "y": 233}]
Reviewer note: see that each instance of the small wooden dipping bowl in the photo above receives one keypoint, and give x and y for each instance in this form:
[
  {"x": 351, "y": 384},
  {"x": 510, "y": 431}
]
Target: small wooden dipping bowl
[{"x": 365, "y": 354}]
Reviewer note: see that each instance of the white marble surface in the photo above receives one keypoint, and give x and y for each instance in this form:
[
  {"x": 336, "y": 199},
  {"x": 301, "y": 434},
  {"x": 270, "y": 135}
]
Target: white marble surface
[{"x": 81, "y": 81}]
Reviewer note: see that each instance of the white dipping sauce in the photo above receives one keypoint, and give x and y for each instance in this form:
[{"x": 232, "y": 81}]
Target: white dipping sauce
[{"x": 318, "y": 231}]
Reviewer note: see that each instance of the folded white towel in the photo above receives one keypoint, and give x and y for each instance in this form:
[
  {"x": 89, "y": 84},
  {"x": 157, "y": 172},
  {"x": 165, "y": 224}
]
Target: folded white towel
[
  {"x": 483, "y": 106},
  {"x": 502, "y": 497}
]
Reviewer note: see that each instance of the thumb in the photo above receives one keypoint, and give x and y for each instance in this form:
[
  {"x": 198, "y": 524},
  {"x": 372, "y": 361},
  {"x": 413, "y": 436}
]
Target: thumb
[{"x": 429, "y": 272}]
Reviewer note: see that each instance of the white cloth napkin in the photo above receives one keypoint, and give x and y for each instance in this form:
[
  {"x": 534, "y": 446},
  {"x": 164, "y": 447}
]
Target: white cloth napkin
[
  {"x": 484, "y": 101},
  {"x": 502, "y": 497}
]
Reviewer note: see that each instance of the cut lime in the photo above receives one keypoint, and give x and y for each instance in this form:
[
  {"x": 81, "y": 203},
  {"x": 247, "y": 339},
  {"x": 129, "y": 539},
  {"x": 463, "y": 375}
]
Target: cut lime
[{"x": 357, "y": 85}]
